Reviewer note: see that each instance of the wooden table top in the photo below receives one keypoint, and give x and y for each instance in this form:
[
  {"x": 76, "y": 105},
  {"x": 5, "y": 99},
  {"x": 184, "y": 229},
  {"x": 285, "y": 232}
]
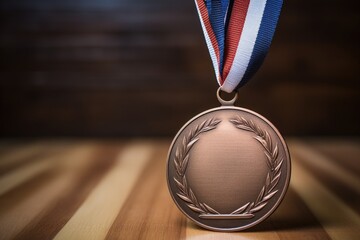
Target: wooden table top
[{"x": 89, "y": 189}]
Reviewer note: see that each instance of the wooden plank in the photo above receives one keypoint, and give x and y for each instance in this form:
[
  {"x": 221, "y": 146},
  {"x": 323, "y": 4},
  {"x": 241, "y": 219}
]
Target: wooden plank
[
  {"x": 345, "y": 152},
  {"x": 22, "y": 155},
  {"x": 20, "y": 207},
  {"x": 94, "y": 217},
  {"x": 340, "y": 181},
  {"x": 149, "y": 212},
  {"x": 16, "y": 153},
  {"x": 8, "y": 146},
  {"x": 294, "y": 219},
  {"x": 27, "y": 171},
  {"x": 61, "y": 62},
  {"x": 95, "y": 191},
  {"x": 92, "y": 5},
  {"x": 46, "y": 226},
  {"x": 337, "y": 218},
  {"x": 60, "y": 111},
  {"x": 310, "y": 156}
]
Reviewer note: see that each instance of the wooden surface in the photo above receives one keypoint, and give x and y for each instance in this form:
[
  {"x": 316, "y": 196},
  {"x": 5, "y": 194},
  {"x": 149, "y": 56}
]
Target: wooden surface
[
  {"x": 136, "y": 68},
  {"x": 117, "y": 190}
]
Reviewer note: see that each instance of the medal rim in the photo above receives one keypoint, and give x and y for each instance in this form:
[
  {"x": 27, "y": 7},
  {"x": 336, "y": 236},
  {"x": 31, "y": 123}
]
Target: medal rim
[{"x": 285, "y": 188}]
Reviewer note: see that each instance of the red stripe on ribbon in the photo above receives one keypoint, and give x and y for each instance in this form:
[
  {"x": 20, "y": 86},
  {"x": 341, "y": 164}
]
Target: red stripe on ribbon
[
  {"x": 205, "y": 17},
  {"x": 233, "y": 35}
]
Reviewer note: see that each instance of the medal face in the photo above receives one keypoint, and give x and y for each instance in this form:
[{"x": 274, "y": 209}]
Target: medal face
[{"x": 228, "y": 169}]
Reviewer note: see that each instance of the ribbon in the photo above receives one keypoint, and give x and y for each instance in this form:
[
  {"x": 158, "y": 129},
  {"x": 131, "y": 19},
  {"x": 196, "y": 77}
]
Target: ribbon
[{"x": 238, "y": 34}]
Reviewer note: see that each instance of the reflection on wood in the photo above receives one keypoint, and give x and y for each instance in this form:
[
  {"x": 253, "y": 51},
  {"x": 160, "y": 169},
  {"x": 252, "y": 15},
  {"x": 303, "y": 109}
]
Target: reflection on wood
[{"x": 117, "y": 190}]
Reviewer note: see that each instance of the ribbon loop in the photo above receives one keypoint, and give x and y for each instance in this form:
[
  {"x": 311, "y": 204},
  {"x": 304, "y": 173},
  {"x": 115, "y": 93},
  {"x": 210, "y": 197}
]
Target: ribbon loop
[{"x": 238, "y": 34}]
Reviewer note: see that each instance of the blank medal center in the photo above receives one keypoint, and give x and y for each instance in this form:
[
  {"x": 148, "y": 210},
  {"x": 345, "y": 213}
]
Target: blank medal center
[{"x": 227, "y": 168}]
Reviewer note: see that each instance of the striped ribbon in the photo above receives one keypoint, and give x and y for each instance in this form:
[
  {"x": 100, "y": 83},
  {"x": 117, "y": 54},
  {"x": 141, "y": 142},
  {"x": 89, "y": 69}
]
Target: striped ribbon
[{"x": 238, "y": 34}]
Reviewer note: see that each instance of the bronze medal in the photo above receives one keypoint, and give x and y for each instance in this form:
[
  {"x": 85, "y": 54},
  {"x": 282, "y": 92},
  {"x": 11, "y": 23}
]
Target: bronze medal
[{"x": 228, "y": 168}]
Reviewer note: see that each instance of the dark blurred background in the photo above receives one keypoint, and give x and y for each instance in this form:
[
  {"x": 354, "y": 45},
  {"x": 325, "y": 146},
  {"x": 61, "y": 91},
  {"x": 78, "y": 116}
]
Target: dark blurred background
[{"x": 114, "y": 68}]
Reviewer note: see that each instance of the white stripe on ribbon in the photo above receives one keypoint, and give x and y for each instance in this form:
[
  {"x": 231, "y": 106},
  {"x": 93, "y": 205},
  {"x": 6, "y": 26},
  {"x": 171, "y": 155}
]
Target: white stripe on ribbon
[
  {"x": 210, "y": 47},
  {"x": 246, "y": 45}
]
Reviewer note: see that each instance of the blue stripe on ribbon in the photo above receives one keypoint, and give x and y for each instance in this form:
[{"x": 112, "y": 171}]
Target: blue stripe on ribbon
[
  {"x": 264, "y": 38},
  {"x": 217, "y": 12}
]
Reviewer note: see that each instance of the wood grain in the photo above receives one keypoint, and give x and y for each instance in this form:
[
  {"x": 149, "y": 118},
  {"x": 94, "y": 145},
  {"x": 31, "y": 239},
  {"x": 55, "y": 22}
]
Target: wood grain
[
  {"x": 149, "y": 212},
  {"x": 94, "y": 217},
  {"x": 46, "y": 226},
  {"x": 338, "y": 220},
  {"x": 131, "y": 68},
  {"x": 344, "y": 183},
  {"x": 117, "y": 190}
]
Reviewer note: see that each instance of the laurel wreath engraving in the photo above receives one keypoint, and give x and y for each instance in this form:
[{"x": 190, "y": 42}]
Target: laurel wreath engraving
[
  {"x": 273, "y": 161},
  {"x": 181, "y": 161}
]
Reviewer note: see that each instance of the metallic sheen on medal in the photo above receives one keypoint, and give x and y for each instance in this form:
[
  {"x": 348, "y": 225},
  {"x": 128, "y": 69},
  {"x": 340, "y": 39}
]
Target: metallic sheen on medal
[{"x": 228, "y": 168}]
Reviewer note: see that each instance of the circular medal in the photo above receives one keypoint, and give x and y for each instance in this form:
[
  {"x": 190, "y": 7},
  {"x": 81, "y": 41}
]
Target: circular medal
[{"x": 228, "y": 168}]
